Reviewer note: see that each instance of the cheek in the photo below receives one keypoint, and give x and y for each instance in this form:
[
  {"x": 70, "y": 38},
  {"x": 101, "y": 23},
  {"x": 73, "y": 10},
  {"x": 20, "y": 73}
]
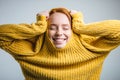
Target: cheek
[
  {"x": 69, "y": 34},
  {"x": 51, "y": 33}
]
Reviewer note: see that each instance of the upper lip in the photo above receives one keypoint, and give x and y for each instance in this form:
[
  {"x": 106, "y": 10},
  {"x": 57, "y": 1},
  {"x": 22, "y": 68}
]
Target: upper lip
[{"x": 59, "y": 38}]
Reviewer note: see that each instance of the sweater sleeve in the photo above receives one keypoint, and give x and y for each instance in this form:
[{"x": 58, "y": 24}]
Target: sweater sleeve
[
  {"x": 106, "y": 33},
  {"x": 10, "y": 32},
  {"x": 23, "y": 39}
]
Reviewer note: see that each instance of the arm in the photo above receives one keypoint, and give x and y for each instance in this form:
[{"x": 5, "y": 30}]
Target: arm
[
  {"x": 15, "y": 38},
  {"x": 9, "y": 32},
  {"x": 109, "y": 30},
  {"x": 106, "y": 33}
]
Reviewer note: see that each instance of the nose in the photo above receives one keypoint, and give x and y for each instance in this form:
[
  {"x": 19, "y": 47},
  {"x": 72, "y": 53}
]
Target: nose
[{"x": 59, "y": 32}]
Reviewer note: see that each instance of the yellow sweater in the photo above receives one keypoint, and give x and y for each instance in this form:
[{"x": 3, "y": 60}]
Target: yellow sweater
[{"x": 80, "y": 59}]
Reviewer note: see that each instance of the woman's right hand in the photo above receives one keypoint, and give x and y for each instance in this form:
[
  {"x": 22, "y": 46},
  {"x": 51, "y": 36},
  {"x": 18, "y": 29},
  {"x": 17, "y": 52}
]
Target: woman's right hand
[
  {"x": 44, "y": 13},
  {"x": 72, "y": 12}
]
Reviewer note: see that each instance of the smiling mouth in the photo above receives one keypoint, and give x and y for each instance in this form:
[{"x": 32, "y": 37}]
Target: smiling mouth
[{"x": 59, "y": 40}]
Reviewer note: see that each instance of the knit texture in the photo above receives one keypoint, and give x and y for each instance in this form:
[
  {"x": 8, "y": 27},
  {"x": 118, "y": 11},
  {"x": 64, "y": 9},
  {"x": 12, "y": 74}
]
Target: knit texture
[{"x": 80, "y": 59}]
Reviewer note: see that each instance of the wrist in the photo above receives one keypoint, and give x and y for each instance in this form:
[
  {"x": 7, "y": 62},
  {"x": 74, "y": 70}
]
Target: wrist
[
  {"x": 77, "y": 15},
  {"x": 41, "y": 18}
]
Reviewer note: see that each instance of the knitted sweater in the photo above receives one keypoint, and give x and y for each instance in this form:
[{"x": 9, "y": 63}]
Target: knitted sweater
[{"x": 80, "y": 59}]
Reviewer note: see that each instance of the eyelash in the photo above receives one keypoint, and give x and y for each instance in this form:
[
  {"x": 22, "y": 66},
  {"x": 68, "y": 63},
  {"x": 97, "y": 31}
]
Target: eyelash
[
  {"x": 54, "y": 28},
  {"x": 66, "y": 28}
]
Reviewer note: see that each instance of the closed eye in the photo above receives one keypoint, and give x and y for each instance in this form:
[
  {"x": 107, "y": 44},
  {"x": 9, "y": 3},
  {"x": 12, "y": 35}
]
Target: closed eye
[
  {"x": 52, "y": 27},
  {"x": 66, "y": 26}
]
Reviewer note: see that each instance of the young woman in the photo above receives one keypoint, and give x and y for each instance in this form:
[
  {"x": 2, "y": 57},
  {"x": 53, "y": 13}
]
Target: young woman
[{"x": 59, "y": 46}]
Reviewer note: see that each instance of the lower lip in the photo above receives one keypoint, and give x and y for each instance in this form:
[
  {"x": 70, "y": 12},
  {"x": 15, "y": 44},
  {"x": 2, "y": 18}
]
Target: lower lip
[{"x": 60, "y": 42}]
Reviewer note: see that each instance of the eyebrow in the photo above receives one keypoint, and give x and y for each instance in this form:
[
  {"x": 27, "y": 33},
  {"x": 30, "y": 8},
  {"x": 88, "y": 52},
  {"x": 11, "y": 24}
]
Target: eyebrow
[
  {"x": 62, "y": 24},
  {"x": 53, "y": 24},
  {"x": 65, "y": 25}
]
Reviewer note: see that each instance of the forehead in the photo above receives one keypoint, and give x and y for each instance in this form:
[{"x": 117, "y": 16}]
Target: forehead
[{"x": 58, "y": 18}]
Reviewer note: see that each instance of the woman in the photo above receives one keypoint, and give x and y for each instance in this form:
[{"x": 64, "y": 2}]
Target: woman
[{"x": 60, "y": 46}]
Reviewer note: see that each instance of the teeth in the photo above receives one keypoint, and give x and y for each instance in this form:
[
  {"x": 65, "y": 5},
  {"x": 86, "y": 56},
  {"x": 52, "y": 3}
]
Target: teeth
[{"x": 59, "y": 39}]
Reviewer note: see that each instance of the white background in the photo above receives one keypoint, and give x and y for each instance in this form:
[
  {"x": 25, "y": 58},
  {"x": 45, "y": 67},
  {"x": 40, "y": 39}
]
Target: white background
[{"x": 24, "y": 11}]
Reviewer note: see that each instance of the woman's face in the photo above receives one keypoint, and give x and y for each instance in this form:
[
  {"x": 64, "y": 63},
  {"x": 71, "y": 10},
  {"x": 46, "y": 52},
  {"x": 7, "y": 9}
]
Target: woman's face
[{"x": 59, "y": 29}]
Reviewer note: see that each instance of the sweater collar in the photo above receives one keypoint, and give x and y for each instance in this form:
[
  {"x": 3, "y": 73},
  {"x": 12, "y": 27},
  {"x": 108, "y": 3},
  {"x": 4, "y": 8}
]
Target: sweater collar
[{"x": 69, "y": 46}]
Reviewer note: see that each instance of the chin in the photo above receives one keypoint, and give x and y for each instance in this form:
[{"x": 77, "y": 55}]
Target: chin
[{"x": 60, "y": 46}]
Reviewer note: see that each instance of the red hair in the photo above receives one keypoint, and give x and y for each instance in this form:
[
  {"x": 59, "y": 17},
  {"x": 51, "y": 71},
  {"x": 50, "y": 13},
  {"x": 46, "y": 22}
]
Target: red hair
[{"x": 61, "y": 10}]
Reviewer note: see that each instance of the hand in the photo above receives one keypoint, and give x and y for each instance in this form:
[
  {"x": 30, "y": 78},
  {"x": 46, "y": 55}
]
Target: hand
[
  {"x": 44, "y": 13},
  {"x": 72, "y": 12}
]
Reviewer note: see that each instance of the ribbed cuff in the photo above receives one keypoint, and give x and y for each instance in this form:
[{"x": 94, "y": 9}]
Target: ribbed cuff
[
  {"x": 41, "y": 18},
  {"x": 77, "y": 15}
]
